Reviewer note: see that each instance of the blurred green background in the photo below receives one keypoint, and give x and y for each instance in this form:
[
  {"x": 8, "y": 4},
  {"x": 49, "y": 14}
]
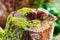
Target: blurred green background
[{"x": 56, "y": 12}]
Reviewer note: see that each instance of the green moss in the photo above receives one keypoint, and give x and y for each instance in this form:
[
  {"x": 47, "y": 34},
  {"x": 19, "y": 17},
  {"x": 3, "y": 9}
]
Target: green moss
[
  {"x": 35, "y": 21},
  {"x": 15, "y": 27},
  {"x": 24, "y": 11},
  {"x": 1, "y": 33}
]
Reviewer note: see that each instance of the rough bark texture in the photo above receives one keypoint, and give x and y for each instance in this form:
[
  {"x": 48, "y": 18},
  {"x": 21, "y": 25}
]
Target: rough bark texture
[{"x": 41, "y": 33}]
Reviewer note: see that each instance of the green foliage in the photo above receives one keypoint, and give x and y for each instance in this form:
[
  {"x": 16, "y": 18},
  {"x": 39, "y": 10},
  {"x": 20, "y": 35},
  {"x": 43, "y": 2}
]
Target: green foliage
[{"x": 37, "y": 3}]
